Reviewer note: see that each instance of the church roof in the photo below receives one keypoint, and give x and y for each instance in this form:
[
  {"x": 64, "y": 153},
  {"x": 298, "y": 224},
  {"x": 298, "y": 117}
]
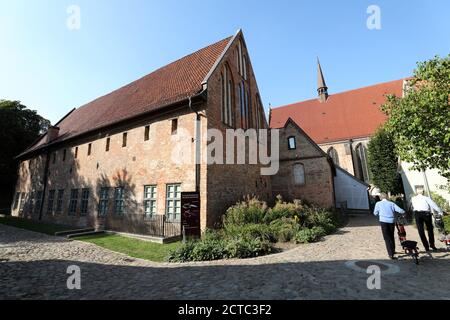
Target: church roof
[
  {"x": 166, "y": 86},
  {"x": 347, "y": 115}
]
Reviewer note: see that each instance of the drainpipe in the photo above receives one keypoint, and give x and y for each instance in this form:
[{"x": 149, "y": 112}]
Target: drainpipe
[
  {"x": 197, "y": 146},
  {"x": 44, "y": 182}
]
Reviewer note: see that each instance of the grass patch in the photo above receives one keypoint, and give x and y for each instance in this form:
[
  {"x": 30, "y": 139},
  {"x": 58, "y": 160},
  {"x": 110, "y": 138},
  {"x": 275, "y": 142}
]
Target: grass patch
[
  {"x": 32, "y": 225},
  {"x": 132, "y": 247}
]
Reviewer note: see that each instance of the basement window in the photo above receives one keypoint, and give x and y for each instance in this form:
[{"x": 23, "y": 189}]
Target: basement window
[
  {"x": 174, "y": 126},
  {"x": 292, "y": 143},
  {"x": 147, "y": 133}
]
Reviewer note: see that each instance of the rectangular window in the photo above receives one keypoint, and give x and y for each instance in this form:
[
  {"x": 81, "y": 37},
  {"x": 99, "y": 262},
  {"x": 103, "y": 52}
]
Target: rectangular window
[
  {"x": 51, "y": 201},
  {"x": 147, "y": 133},
  {"x": 38, "y": 203},
  {"x": 292, "y": 144},
  {"x": 173, "y": 202},
  {"x": 22, "y": 202},
  {"x": 76, "y": 152},
  {"x": 149, "y": 201},
  {"x": 73, "y": 202},
  {"x": 16, "y": 201},
  {"x": 59, "y": 201},
  {"x": 64, "y": 155},
  {"x": 124, "y": 139},
  {"x": 108, "y": 141},
  {"x": 299, "y": 174},
  {"x": 103, "y": 204},
  {"x": 89, "y": 149},
  {"x": 84, "y": 202},
  {"x": 174, "y": 126},
  {"x": 119, "y": 203}
]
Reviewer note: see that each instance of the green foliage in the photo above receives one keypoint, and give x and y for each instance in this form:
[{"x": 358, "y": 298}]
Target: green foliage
[
  {"x": 19, "y": 127},
  {"x": 383, "y": 162},
  {"x": 285, "y": 229},
  {"x": 215, "y": 249},
  {"x": 441, "y": 202},
  {"x": 249, "y": 211},
  {"x": 250, "y": 231},
  {"x": 309, "y": 235},
  {"x": 420, "y": 121},
  {"x": 447, "y": 223}
]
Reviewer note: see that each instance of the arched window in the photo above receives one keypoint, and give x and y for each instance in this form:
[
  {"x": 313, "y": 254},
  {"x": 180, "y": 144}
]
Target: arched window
[
  {"x": 227, "y": 103},
  {"x": 332, "y": 153},
  {"x": 299, "y": 174},
  {"x": 243, "y": 102},
  {"x": 361, "y": 162}
]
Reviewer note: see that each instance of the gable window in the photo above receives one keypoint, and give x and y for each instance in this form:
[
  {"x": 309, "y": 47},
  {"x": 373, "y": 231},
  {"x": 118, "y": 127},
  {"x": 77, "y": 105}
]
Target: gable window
[
  {"x": 174, "y": 126},
  {"x": 119, "y": 203},
  {"x": 227, "y": 87},
  {"x": 243, "y": 101},
  {"x": 240, "y": 62},
  {"x": 108, "y": 141},
  {"x": 124, "y": 139},
  {"x": 292, "y": 143},
  {"x": 173, "y": 202},
  {"x": 84, "y": 202},
  {"x": 149, "y": 201},
  {"x": 147, "y": 133},
  {"x": 299, "y": 174},
  {"x": 89, "y": 149},
  {"x": 244, "y": 67},
  {"x": 103, "y": 203},
  {"x": 332, "y": 153},
  {"x": 361, "y": 162},
  {"x": 73, "y": 202},
  {"x": 76, "y": 152},
  {"x": 51, "y": 201},
  {"x": 64, "y": 154},
  {"x": 54, "y": 157},
  {"x": 59, "y": 201}
]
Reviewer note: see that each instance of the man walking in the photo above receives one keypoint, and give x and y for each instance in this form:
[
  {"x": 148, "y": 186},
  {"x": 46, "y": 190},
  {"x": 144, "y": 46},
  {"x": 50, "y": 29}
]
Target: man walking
[
  {"x": 386, "y": 210},
  {"x": 422, "y": 207}
]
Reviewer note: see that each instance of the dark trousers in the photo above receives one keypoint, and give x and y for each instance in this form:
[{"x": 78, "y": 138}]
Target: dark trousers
[
  {"x": 423, "y": 217},
  {"x": 388, "y": 230}
]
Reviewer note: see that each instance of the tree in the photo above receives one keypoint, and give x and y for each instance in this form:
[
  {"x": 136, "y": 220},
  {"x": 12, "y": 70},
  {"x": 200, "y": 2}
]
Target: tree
[
  {"x": 19, "y": 128},
  {"x": 383, "y": 163},
  {"x": 420, "y": 121}
]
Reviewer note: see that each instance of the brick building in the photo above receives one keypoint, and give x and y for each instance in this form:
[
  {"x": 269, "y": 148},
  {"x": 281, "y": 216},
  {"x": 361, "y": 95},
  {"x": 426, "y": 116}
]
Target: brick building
[{"x": 110, "y": 164}]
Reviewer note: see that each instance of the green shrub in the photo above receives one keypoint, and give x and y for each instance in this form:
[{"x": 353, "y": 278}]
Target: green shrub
[
  {"x": 319, "y": 217},
  {"x": 309, "y": 235},
  {"x": 262, "y": 232},
  {"x": 244, "y": 248},
  {"x": 283, "y": 209},
  {"x": 447, "y": 223},
  {"x": 285, "y": 229},
  {"x": 251, "y": 210},
  {"x": 207, "y": 250},
  {"x": 441, "y": 202}
]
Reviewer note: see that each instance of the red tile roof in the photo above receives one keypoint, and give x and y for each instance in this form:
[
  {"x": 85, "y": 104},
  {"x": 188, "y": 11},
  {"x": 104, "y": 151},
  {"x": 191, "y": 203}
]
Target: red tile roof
[
  {"x": 347, "y": 115},
  {"x": 167, "y": 85}
]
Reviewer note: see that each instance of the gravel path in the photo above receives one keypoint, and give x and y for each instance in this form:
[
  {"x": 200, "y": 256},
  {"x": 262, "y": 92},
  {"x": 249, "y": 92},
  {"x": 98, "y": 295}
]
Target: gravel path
[{"x": 33, "y": 266}]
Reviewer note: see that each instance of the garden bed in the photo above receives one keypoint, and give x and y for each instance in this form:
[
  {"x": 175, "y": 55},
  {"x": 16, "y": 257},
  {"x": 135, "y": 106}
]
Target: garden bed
[{"x": 252, "y": 229}]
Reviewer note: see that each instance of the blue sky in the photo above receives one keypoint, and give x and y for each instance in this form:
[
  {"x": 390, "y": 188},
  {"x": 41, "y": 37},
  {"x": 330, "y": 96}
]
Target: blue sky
[{"x": 53, "y": 69}]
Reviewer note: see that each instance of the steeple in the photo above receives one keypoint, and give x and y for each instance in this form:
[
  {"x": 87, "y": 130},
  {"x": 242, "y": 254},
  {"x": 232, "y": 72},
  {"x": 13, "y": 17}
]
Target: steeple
[{"x": 322, "y": 88}]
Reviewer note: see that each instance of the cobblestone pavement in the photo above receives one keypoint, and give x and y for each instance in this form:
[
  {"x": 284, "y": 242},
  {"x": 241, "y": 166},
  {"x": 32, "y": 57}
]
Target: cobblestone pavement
[{"x": 33, "y": 266}]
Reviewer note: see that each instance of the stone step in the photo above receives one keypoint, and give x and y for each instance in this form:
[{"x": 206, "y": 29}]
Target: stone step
[
  {"x": 82, "y": 234},
  {"x": 67, "y": 232}
]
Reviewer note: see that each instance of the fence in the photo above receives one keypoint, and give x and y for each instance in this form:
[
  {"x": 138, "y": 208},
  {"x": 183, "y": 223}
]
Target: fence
[{"x": 159, "y": 226}]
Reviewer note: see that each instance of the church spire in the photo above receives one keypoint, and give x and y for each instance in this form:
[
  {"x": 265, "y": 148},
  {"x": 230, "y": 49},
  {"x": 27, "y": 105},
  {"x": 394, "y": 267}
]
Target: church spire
[{"x": 322, "y": 88}]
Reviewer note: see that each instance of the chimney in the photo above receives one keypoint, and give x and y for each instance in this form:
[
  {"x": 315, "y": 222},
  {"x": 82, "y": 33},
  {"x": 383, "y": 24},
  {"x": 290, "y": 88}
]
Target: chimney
[{"x": 52, "y": 133}]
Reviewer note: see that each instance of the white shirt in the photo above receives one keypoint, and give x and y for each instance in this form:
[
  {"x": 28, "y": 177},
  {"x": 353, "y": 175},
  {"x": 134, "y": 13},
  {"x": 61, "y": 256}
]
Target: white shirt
[{"x": 422, "y": 203}]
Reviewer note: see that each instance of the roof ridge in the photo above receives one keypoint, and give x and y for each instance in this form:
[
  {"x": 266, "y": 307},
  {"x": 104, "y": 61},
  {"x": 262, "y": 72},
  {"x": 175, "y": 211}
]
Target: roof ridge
[{"x": 341, "y": 92}]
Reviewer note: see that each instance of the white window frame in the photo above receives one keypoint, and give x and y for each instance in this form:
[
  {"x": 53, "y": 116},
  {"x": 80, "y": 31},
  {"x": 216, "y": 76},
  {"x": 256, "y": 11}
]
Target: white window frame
[
  {"x": 173, "y": 202},
  {"x": 150, "y": 201}
]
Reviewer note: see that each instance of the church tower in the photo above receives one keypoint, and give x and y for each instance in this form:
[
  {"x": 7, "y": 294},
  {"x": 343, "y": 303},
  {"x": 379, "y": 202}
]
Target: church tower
[{"x": 322, "y": 88}]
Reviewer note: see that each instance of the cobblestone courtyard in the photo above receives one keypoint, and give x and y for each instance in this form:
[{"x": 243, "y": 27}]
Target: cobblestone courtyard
[{"x": 33, "y": 266}]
